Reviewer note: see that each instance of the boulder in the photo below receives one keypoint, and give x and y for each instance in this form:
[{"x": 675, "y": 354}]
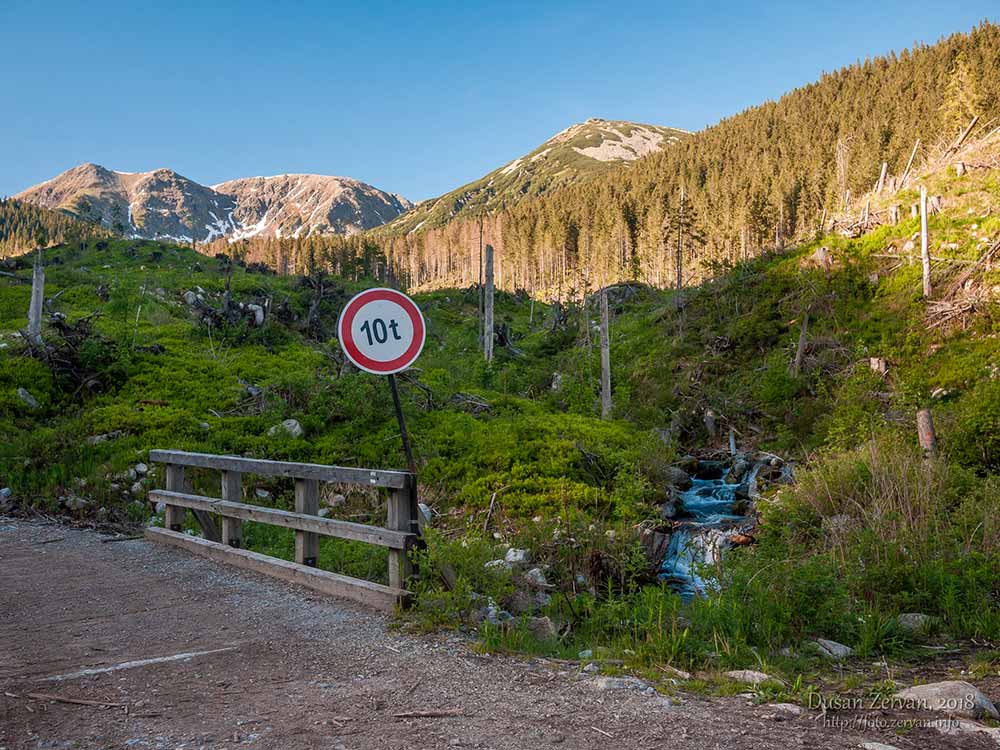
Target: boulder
[
  {"x": 30, "y": 401},
  {"x": 832, "y": 649},
  {"x": 141, "y": 469},
  {"x": 426, "y": 516},
  {"x": 677, "y": 477},
  {"x": 737, "y": 471},
  {"x": 290, "y": 427},
  {"x": 190, "y": 298},
  {"x": 536, "y": 579},
  {"x": 542, "y": 628},
  {"x": 951, "y": 696},
  {"x": 517, "y": 556},
  {"x": 748, "y": 676},
  {"x": 915, "y": 623}
]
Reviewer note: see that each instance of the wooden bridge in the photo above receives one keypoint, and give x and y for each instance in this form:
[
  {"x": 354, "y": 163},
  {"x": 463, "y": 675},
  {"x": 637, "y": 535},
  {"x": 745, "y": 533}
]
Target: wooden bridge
[{"x": 226, "y": 545}]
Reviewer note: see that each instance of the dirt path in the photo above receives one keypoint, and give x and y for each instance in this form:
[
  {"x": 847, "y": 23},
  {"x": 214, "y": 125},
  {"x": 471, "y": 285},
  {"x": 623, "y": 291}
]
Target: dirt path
[{"x": 271, "y": 666}]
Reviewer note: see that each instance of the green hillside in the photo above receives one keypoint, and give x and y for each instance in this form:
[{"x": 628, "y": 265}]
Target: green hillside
[
  {"x": 23, "y": 227},
  {"x": 515, "y": 454}
]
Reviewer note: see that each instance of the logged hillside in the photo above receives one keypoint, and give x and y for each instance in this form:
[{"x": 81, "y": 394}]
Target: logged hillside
[
  {"x": 24, "y": 227},
  {"x": 755, "y": 180}
]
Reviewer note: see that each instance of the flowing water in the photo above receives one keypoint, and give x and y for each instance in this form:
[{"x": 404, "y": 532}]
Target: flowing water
[{"x": 707, "y": 509}]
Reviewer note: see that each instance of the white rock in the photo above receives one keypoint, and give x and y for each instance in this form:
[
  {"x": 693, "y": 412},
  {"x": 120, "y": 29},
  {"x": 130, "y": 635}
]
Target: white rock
[
  {"x": 261, "y": 493},
  {"x": 951, "y": 696},
  {"x": 536, "y": 578},
  {"x": 426, "y": 516},
  {"x": 6, "y": 492},
  {"x": 585, "y": 654},
  {"x": 878, "y": 746},
  {"x": 141, "y": 469},
  {"x": 289, "y": 427},
  {"x": 591, "y": 668},
  {"x": 136, "y": 488},
  {"x": 518, "y": 556},
  {"x": 323, "y": 512},
  {"x": 788, "y": 708},
  {"x": 190, "y": 297},
  {"x": 161, "y": 507},
  {"x": 748, "y": 676},
  {"x": 832, "y": 649},
  {"x": 30, "y": 401}
]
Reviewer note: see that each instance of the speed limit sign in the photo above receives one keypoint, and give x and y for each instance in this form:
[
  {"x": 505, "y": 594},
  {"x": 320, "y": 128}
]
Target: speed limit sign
[{"x": 381, "y": 331}]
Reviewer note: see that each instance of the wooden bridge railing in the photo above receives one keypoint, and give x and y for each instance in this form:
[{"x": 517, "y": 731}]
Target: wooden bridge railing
[{"x": 399, "y": 535}]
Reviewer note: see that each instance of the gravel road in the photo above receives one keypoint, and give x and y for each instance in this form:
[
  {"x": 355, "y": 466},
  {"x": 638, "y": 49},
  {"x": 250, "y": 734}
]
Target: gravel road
[{"x": 185, "y": 653}]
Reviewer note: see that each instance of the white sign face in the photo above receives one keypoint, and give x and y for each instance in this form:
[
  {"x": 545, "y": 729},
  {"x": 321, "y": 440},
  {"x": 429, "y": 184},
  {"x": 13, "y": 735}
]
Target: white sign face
[{"x": 381, "y": 331}]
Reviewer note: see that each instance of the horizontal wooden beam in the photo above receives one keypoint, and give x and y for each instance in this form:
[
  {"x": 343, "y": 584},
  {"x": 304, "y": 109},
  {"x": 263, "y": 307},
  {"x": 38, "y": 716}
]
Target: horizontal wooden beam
[
  {"x": 299, "y": 521},
  {"x": 263, "y": 467},
  {"x": 365, "y": 592}
]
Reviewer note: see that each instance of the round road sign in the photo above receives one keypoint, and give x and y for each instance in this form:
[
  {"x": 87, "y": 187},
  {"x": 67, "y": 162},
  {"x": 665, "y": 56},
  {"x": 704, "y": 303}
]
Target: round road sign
[{"x": 381, "y": 331}]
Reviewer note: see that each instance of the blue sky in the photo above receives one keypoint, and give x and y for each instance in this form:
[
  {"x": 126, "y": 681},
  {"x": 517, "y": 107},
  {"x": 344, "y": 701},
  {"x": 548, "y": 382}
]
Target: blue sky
[{"x": 412, "y": 98}]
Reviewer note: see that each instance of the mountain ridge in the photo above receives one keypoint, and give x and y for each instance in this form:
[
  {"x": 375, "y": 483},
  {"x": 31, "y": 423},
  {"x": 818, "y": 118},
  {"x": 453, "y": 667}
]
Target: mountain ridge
[{"x": 163, "y": 204}]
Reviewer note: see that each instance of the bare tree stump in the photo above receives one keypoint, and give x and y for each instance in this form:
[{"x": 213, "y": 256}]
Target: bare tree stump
[{"x": 925, "y": 432}]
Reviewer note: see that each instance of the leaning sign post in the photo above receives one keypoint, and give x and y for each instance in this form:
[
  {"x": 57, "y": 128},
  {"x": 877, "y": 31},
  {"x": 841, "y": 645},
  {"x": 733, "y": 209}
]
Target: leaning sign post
[{"x": 382, "y": 331}]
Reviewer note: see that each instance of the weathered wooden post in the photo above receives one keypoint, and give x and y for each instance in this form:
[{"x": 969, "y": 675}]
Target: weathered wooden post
[
  {"x": 174, "y": 516},
  {"x": 959, "y": 169},
  {"x": 488, "y": 311},
  {"x": 925, "y": 253},
  {"x": 605, "y": 358},
  {"x": 894, "y": 213},
  {"x": 306, "y": 501},
  {"x": 925, "y": 433},
  {"x": 402, "y": 516},
  {"x": 232, "y": 490},
  {"x": 37, "y": 299}
]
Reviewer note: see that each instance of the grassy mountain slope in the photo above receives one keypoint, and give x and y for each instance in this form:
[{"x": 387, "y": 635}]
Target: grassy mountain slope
[
  {"x": 870, "y": 529},
  {"x": 580, "y": 151}
]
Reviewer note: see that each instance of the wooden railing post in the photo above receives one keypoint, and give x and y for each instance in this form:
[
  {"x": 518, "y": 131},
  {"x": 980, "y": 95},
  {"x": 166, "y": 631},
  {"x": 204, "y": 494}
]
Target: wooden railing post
[
  {"x": 306, "y": 501},
  {"x": 232, "y": 490},
  {"x": 402, "y": 516},
  {"x": 174, "y": 517}
]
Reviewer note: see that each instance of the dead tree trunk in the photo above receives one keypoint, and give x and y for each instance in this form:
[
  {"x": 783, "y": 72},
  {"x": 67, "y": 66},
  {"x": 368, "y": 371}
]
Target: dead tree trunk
[
  {"x": 605, "y": 358},
  {"x": 800, "y": 350},
  {"x": 881, "y": 178},
  {"x": 488, "y": 308},
  {"x": 37, "y": 299},
  {"x": 906, "y": 172},
  {"x": 925, "y": 253},
  {"x": 894, "y": 213},
  {"x": 925, "y": 432}
]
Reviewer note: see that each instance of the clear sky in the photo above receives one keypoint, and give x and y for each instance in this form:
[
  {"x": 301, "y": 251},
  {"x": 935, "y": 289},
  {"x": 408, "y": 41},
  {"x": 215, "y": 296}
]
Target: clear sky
[{"x": 412, "y": 98}]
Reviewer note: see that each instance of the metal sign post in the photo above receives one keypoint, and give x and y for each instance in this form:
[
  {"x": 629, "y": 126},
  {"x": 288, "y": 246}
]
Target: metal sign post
[{"x": 382, "y": 331}]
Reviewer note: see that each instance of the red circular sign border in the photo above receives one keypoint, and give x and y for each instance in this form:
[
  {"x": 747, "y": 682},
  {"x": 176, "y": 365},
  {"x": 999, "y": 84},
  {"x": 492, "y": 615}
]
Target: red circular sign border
[{"x": 374, "y": 366}]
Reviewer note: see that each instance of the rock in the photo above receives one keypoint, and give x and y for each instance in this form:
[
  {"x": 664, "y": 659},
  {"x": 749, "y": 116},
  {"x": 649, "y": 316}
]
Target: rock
[
  {"x": 499, "y": 564},
  {"x": 832, "y": 649},
  {"x": 517, "y": 556},
  {"x": 258, "y": 314},
  {"x": 748, "y": 676},
  {"x": 689, "y": 464},
  {"x": 680, "y": 674},
  {"x": 940, "y": 393},
  {"x": 878, "y": 746},
  {"x": 190, "y": 298},
  {"x": 951, "y": 696},
  {"x": 591, "y": 668},
  {"x": 520, "y": 602},
  {"x": 909, "y": 246},
  {"x": 541, "y": 600},
  {"x": 952, "y": 726},
  {"x": 788, "y": 708},
  {"x": 290, "y": 427},
  {"x": 541, "y": 628},
  {"x": 620, "y": 683},
  {"x": 137, "y": 488},
  {"x": 6, "y": 492},
  {"x": 98, "y": 439},
  {"x": 585, "y": 654},
  {"x": 737, "y": 471},
  {"x": 323, "y": 512},
  {"x": 336, "y": 501},
  {"x": 556, "y": 381},
  {"x": 678, "y": 478},
  {"x": 261, "y": 494},
  {"x": 425, "y": 513},
  {"x": 30, "y": 401},
  {"x": 536, "y": 578},
  {"x": 915, "y": 622},
  {"x": 204, "y": 426},
  {"x": 141, "y": 469}
]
